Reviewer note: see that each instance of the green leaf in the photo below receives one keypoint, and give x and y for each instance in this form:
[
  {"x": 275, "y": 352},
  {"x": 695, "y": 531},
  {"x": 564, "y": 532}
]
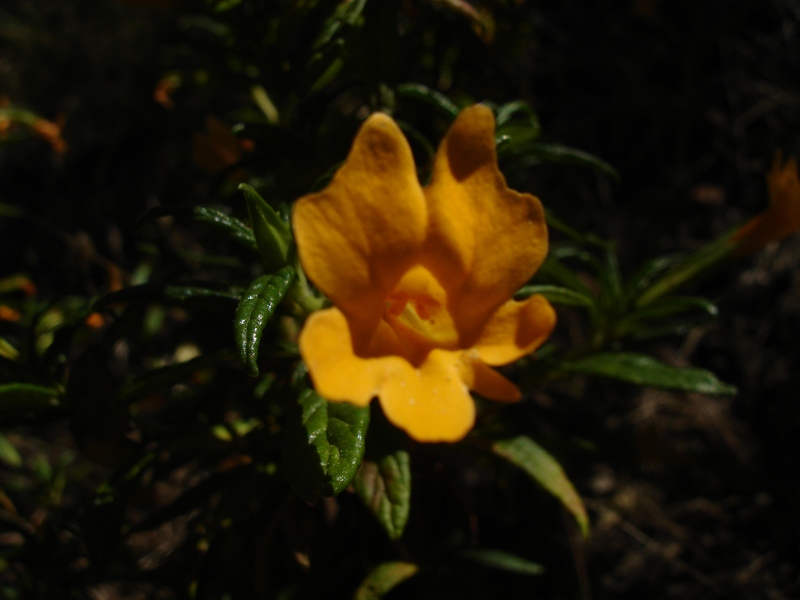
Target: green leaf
[
  {"x": 517, "y": 124},
  {"x": 346, "y": 15},
  {"x": 24, "y": 398},
  {"x": 610, "y": 277},
  {"x": 432, "y": 98},
  {"x": 7, "y": 350},
  {"x": 673, "y": 305},
  {"x": 225, "y": 225},
  {"x": 557, "y": 153},
  {"x": 323, "y": 445},
  {"x": 645, "y": 275},
  {"x": 557, "y": 295},
  {"x": 272, "y": 233},
  {"x": 384, "y": 578},
  {"x": 646, "y": 370},
  {"x": 553, "y": 270},
  {"x": 8, "y": 453},
  {"x": 511, "y": 110},
  {"x": 704, "y": 259},
  {"x": 497, "y": 559},
  {"x": 255, "y": 309},
  {"x": 385, "y": 487},
  {"x": 546, "y": 471}
]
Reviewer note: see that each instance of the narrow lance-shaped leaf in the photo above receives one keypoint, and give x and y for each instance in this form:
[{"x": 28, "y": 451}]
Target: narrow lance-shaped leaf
[
  {"x": 497, "y": 559},
  {"x": 254, "y": 312},
  {"x": 323, "y": 445},
  {"x": 24, "y": 398},
  {"x": 272, "y": 233},
  {"x": 347, "y": 14},
  {"x": 693, "y": 266},
  {"x": 225, "y": 225},
  {"x": 432, "y": 98},
  {"x": 674, "y": 305},
  {"x": 646, "y": 274},
  {"x": 384, "y": 578},
  {"x": 646, "y": 370},
  {"x": 509, "y": 111},
  {"x": 545, "y": 470},
  {"x": 556, "y": 153},
  {"x": 556, "y": 295}
]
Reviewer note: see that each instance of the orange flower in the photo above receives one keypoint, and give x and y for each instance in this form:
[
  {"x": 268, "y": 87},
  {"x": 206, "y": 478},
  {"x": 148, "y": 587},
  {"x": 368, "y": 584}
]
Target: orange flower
[
  {"x": 781, "y": 218},
  {"x": 421, "y": 278}
]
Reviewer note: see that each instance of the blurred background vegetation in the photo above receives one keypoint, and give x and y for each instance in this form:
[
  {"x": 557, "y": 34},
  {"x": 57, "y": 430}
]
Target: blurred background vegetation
[{"x": 118, "y": 107}]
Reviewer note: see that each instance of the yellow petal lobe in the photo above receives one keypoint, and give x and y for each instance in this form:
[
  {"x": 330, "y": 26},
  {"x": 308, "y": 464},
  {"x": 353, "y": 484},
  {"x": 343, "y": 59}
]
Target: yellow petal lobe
[
  {"x": 490, "y": 384},
  {"x": 484, "y": 240},
  {"x": 431, "y": 402},
  {"x": 515, "y": 330},
  {"x": 358, "y": 236},
  {"x": 337, "y": 372}
]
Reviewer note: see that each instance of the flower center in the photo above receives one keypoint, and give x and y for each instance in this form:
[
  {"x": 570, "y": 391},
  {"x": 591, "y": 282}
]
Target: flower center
[{"x": 417, "y": 311}]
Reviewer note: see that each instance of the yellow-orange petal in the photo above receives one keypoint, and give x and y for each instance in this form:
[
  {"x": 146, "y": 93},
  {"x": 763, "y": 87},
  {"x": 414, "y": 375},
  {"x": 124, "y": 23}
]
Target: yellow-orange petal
[
  {"x": 484, "y": 240},
  {"x": 515, "y": 330},
  {"x": 337, "y": 372},
  {"x": 431, "y": 402},
  {"x": 358, "y": 236},
  {"x": 490, "y": 384},
  {"x": 781, "y": 218}
]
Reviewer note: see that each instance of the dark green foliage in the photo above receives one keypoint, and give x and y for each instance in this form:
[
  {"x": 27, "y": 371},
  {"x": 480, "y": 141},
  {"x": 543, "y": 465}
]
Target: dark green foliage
[
  {"x": 323, "y": 445},
  {"x": 255, "y": 309}
]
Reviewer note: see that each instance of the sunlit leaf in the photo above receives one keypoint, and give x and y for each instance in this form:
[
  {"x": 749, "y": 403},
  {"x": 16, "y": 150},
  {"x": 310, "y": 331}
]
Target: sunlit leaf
[
  {"x": 255, "y": 309},
  {"x": 323, "y": 445},
  {"x": 546, "y": 471}
]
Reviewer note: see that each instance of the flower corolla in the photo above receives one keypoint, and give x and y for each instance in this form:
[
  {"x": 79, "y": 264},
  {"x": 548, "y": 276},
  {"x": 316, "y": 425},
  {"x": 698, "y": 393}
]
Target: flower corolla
[{"x": 421, "y": 279}]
